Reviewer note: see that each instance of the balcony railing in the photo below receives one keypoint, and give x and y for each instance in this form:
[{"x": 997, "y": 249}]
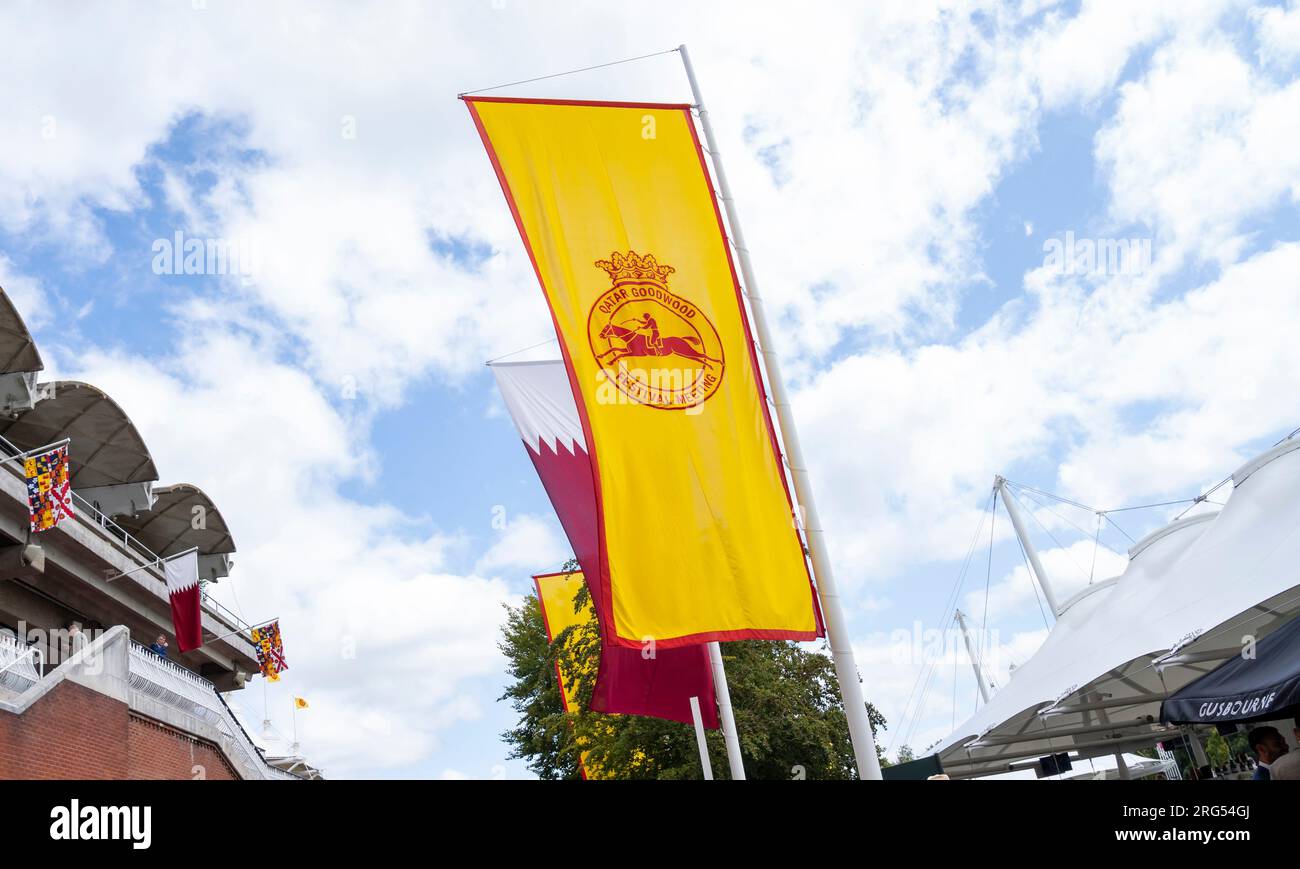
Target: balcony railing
[
  {"x": 132, "y": 546},
  {"x": 171, "y": 684},
  {"x": 19, "y": 664}
]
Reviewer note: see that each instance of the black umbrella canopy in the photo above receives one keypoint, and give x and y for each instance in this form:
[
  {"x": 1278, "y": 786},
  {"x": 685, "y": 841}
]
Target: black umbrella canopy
[{"x": 1259, "y": 688}]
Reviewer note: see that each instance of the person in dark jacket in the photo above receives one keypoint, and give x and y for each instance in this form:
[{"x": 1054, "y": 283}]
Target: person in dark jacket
[
  {"x": 1268, "y": 746},
  {"x": 159, "y": 646}
]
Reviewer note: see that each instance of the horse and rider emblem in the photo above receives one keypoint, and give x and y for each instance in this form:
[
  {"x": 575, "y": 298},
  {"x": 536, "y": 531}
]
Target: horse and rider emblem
[{"x": 656, "y": 346}]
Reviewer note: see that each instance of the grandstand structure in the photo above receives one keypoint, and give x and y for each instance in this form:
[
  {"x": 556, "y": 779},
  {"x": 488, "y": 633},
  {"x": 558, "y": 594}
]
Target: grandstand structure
[{"x": 81, "y": 695}]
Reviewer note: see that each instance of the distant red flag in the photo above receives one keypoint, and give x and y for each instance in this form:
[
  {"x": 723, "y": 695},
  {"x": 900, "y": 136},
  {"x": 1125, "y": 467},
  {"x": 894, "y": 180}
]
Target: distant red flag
[{"x": 654, "y": 682}]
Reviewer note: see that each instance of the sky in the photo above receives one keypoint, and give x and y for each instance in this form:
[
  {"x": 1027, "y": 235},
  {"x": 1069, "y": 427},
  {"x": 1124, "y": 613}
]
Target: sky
[{"x": 909, "y": 175}]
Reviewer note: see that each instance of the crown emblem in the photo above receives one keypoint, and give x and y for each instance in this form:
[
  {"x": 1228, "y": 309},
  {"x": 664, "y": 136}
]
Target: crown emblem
[{"x": 635, "y": 267}]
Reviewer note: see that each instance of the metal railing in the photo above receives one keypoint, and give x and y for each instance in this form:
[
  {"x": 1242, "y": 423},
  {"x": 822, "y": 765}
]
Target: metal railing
[
  {"x": 132, "y": 546},
  {"x": 166, "y": 682},
  {"x": 21, "y": 665}
]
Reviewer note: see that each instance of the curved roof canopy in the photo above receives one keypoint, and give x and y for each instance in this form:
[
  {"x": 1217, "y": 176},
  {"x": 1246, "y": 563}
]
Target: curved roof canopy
[
  {"x": 170, "y": 527},
  {"x": 17, "y": 349},
  {"x": 1190, "y": 592},
  {"x": 105, "y": 448}
]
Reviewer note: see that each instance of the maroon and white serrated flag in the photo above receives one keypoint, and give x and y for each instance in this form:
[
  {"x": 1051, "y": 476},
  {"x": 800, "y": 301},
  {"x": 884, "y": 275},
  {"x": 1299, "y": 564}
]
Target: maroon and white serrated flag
[
  {"x": 629, "y": 681},
  {"x": 182, "y": 573}
]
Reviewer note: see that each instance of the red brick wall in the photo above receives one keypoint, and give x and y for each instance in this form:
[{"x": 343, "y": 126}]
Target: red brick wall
[
  {"x": 161, "y": 752},
  {"x": 74, "y": 732},
  {"x": 71, "y": 732}
]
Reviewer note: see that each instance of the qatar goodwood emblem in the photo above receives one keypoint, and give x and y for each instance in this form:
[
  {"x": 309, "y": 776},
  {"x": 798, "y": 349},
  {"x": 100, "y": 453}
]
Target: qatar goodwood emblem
[{"x": 657, "y": 347}]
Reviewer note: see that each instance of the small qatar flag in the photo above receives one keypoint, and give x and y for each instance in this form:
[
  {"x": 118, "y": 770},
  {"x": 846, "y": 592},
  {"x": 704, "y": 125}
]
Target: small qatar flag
[{"x": 183, "y": 587}]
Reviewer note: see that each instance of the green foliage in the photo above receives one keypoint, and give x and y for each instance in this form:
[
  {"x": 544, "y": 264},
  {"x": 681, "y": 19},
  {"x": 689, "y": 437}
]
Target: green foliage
[
  {"x": 544, "y": 733},
  {"x": 785, "y": 698},
  {"x": 1216, "y": 749}
]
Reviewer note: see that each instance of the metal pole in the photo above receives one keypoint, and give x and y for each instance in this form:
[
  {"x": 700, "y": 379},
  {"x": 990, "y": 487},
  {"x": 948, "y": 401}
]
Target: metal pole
[
  {"x": 1121, "y": 766},
  {"x": 155, "y": 563},
  {"x": 699, "y": 739},
  {"x": 1019, "y": 523},
  {"x": 837, "y": 632},
  {"x": 970, "y": 653},
  {"x": 723, "y": 692}
]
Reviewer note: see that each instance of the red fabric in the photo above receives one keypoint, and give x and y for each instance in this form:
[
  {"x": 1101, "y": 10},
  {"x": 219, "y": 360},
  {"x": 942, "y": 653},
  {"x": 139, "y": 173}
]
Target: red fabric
[
  {"x": 187, "y": 619},
  {"x": 627, "y": 683}
]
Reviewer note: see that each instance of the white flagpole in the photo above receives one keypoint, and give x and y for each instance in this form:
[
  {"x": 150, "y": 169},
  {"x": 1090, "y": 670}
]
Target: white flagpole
[
  {"x": 728, "y": 720},
  {"x": 153, "y": 563},
  {"x": 699, "y": 739},
  {"x": 846, "y": 670}
]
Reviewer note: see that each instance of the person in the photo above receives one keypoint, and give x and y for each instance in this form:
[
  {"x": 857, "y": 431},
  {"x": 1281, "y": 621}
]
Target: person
[
  {"x": 1268, "y": 745},
  {"x": 76, "y": 638},
  {"x": 1287, "y": 767},
  {"x": 159, "y": 646},
  {"x": 651, "y": 326}
]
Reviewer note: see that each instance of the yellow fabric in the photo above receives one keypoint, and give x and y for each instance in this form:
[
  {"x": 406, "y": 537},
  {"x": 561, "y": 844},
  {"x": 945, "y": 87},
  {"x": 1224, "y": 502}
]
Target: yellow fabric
[
  {"x": 555, "y": 595},
  {"x": 616, "y": 208}
]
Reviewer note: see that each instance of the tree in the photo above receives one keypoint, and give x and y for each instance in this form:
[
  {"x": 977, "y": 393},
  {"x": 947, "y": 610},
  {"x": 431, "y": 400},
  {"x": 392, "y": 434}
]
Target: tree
[{"x": 786, "y": 701}]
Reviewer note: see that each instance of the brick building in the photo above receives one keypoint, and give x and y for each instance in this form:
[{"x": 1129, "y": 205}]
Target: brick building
[{"x": 80, "y": 694}]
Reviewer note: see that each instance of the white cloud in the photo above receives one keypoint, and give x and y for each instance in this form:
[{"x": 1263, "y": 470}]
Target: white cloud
[
  {"x": 1278, "y": 31},
  {"x": 527, "y": 543},
  {"x": 907, "y": 443},
  {"x": 25, "y": 292},
  {"x": 379, "y": 635},
  {"x": 1199, "y": 145}
]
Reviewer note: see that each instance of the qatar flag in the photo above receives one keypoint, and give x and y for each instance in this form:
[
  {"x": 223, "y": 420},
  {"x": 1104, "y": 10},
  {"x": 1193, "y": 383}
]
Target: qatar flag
[
  {"x": 183, "y": 586},
  {"x": 540, "y": 401}
]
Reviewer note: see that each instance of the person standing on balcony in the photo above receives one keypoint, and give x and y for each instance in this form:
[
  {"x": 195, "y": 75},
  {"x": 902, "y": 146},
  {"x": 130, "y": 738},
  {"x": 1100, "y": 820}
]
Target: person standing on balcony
[
  {"x": 159, "y": 646},
  {"x": 76, "y": 638}
]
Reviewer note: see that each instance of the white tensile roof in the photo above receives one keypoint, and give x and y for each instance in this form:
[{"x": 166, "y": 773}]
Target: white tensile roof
[
  {"x": 1190, "y": 593},
  {"x": 1103, "y": 767}
]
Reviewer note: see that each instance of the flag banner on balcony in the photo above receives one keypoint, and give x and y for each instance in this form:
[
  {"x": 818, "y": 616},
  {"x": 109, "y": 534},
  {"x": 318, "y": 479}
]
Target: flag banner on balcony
[
  {"x": 695, "y": 526},
  {"x": 270, "y": 651},
  {"x": 654, "y": 682},
  {"x": 182, "y": 572},
  {"x": 49, "y": 492}
]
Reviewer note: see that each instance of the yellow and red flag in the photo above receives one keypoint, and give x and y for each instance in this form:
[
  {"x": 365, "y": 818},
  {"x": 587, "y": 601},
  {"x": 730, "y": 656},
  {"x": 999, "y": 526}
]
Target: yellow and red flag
[
  {"x": 618, "y": 214},
  {"x": 555, "y": 595}
]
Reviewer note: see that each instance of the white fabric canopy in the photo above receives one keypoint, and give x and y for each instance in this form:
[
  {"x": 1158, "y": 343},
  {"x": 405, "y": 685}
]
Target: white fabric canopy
[
  {"x": 1189, "y": 594},
  {"x": 1105, "y": 767}
]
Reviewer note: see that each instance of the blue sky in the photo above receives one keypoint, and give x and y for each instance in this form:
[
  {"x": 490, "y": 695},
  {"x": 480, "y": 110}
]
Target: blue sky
[{"x": 899, "y": 170}]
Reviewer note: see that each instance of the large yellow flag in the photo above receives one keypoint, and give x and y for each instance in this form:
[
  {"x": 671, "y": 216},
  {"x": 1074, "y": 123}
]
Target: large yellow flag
[{"x": 618, "y": 214}]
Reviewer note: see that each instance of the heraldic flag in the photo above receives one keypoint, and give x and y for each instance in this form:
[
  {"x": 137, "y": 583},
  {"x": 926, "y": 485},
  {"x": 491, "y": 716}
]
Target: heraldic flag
[
  {"x": 270, "y": 650},
  {"x": 628, "y": 682},
  {"x": 182, "y": 572},
  {"x": 49, "y": 488},
  {"x": 617, "y": 212}
]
